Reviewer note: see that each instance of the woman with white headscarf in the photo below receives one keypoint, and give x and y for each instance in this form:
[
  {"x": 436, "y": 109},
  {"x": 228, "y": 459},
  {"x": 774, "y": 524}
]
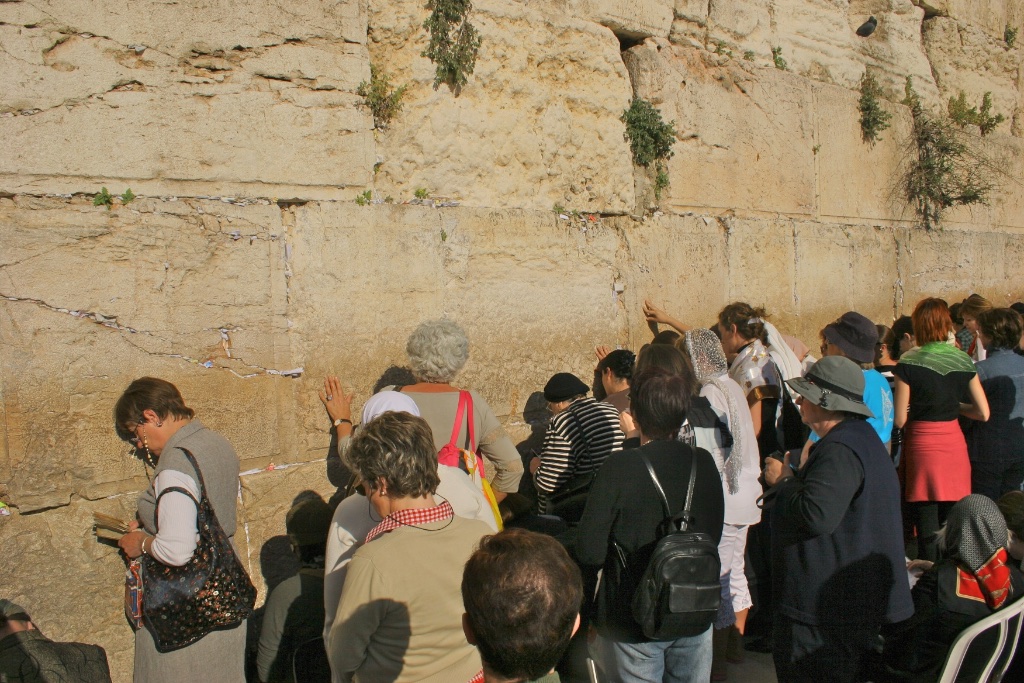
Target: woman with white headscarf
[{"x": 739, "y": 467}]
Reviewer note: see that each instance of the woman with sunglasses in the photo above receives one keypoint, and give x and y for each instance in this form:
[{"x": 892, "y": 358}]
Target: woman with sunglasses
[{"x": 152, "y": 416}]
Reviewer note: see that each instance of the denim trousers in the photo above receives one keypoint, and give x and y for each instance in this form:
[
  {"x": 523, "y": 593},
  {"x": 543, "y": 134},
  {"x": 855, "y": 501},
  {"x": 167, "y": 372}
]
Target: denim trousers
[{"x": 684, "y": 660}]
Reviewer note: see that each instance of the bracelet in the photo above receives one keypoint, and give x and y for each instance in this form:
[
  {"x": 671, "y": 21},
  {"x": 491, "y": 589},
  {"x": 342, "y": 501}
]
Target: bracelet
[
  {"x": 342, "y": 420},
  {"x": 144, "y": 545}
]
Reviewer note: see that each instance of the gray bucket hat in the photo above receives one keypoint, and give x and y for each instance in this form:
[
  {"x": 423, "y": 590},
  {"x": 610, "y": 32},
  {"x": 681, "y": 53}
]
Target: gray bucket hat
[{"x": 833, "y": 383}]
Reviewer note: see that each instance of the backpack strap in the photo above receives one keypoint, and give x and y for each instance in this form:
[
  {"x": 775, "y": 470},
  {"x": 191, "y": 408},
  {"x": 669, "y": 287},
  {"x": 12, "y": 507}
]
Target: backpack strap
[{"x": 685, "y": 516}]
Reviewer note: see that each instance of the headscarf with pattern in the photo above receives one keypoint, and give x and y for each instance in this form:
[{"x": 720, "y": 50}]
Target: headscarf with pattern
[
  {"x": 710, "y": 366},
  {"x": 975, "y": 535}
]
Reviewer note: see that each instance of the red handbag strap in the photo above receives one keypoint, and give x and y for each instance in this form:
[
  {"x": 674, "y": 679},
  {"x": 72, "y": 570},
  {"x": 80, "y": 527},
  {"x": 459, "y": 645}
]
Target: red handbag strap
[{"x": 465, "y": 407}]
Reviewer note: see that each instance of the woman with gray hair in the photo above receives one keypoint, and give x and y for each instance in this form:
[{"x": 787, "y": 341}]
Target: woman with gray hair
[
  {"x": 438, "y": 350},
  {"x": 400, "y": 613}
]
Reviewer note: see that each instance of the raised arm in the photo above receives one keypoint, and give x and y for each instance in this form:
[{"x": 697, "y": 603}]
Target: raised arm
[{"x": 658, "y": 315}]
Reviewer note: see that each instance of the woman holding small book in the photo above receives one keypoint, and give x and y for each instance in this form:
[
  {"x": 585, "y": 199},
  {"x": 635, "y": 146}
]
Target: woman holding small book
[{"x": 152, "y": 416}]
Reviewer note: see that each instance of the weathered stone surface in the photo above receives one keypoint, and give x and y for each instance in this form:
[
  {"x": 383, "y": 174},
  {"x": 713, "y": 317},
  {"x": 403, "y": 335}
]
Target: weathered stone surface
[
  {"x": 86, "y": 106},
  {"x": 630, "y": 19},
  {"x": 208, "y": 25},
  {"x": 846, "y": 195},
  {"x": 537, "y": 124},
  {"x": 744, "y": 142},
  {"x": 817, "y": 38},
  {"x": 966, "y": 58}
]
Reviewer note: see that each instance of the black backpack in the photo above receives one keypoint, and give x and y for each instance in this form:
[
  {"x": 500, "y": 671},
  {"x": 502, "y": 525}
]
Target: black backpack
[{"x": 680, "y": 591}]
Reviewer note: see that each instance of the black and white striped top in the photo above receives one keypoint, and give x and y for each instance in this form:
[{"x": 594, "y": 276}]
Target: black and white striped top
[{"x": 578, "y": 441}]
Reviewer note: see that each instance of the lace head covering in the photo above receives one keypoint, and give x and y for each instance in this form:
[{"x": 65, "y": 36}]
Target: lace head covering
[{"x": 710, "y": 366}]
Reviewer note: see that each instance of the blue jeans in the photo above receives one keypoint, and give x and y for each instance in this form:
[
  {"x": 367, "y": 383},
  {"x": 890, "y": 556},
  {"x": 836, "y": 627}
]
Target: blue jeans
[{"x": 685, "y": 660}]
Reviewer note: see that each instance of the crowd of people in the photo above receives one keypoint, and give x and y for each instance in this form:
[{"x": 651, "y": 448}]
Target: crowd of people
[{"x": 866, "y": 506}]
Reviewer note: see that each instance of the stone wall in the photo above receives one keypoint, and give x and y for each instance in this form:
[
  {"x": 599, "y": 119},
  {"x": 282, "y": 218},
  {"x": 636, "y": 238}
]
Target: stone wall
[{"x": 244, "y": 272}]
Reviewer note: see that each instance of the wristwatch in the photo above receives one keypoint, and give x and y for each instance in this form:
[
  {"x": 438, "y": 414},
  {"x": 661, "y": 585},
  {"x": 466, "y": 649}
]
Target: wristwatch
[{"x": 341, "y": 420}]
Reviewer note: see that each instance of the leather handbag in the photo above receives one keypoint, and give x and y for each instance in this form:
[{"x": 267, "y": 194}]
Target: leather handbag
[{"x": 211, "y": 591}]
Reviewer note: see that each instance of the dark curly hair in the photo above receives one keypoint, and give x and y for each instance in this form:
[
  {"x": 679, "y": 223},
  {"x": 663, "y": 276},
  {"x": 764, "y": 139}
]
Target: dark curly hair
[{"x": 749, "y": 321}]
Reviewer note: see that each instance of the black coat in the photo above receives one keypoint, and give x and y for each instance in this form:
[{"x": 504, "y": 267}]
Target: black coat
[{"x": 624, "y": 506}]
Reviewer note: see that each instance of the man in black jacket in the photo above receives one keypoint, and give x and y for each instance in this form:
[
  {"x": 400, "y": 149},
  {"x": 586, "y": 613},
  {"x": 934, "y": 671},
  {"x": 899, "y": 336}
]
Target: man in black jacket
[{"x": 837, "y": 548}]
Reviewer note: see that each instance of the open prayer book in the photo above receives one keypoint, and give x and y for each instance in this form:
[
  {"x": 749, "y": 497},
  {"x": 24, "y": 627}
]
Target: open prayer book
[{"x": 107, "y": 526}]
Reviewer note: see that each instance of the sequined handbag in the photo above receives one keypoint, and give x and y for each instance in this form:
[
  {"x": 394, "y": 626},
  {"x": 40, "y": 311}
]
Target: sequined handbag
[{"x": 212, "y": 591}]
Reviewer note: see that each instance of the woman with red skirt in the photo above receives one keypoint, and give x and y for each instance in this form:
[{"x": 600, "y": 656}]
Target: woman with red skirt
[{"x": 935, "y": 384}]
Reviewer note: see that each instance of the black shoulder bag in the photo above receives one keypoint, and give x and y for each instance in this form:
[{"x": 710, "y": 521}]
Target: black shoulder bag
[{"x": 211, "y": 591}]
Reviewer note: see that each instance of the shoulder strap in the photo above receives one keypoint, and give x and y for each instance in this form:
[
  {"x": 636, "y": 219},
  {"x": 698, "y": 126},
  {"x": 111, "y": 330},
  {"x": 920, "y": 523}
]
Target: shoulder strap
[
  {"x": 685, "y": 521},
  {"x": 470, "y": 429},
  {"x": 195, "y": 466},
  {"x": 156, "y": 506},
  {"x": 454, "y": 441}
]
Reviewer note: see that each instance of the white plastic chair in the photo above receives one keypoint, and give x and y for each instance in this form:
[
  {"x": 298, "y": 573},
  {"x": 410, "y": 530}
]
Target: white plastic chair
[{"x": 1008, "y": 622}]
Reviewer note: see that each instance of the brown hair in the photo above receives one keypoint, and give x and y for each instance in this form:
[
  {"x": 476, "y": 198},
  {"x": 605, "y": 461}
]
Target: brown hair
[
  {"x": 659, "y": 401},
  {"x": 148, "y": 393},
  {"x": 749, "y": 321},
  {"x": 671, "y": 360},
  {"x": 974, "y": 305},
  {"x": 398, "y": 448},
  {"x": 521, "y": 592},
  {"x": 1002, "y": 326},
  {"x": 931, "y": 321}
]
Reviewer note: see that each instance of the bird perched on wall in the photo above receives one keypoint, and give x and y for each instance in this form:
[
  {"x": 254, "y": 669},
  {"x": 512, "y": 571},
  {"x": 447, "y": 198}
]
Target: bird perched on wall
[{"x": 867, "y": 28}]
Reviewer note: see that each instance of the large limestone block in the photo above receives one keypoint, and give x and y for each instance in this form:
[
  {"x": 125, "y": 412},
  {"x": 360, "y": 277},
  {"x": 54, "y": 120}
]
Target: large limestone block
[
  {"x": 205, "y": 25},
  {"x": 679, "y": 263},
  {"x": 366, "y": 276},
  {"x": 953, "y": 263},
  {"x": 817, "y": 38},
  {"x": 272, "y": 119},
  {"x": 630, "y": 19},
  {"x": 315, "y": 138},
  {"x": 537, "y": 125},
  {"x": 991, "y": 15},
  {"x": 967, "y": 58},
  {"x": 177, "y": 291},
  {"x": 744, "y": 141},
  {"x": 841, "y": 268},
  {"x": 858, "y": 179}
]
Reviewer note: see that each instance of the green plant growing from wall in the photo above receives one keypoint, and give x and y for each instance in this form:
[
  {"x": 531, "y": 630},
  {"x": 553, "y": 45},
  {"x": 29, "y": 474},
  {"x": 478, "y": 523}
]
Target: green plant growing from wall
[
  {"x": 127, "y": 197},
  {"x": 963, "y": 115},
  {"x": 364, "y": 198},
  {"x": 103, "y": 198},
  {"x": 1010, "y": 36},
  {"x": 780, "y": 63},
  {"x": 721, "y": 48},
  {"x": 873, "y": 118},
  {"x": 942, "y": 171},
  {"x": 660, "y": 180},
  {"x": 650, "y": 138},
  {"x": 384, "y": 101},
  {"x": 454, "y": 42},
  {"x": 748, "y": 55},
  {"x": 421, "y": 193}
]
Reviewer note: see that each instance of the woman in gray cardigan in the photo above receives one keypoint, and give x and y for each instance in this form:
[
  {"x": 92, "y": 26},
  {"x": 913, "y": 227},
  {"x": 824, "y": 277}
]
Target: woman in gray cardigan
[{"x": 152, "y": 416}]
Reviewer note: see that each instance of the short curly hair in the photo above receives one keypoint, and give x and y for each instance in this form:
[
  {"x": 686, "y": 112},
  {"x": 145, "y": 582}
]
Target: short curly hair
[
  {"x": 437, "y": 350},
  {"x": 397, "y": 448}
]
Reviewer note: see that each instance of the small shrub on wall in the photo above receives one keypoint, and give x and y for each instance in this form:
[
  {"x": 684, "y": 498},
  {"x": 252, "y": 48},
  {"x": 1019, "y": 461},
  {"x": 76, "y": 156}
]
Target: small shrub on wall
[{"x": 454, "y": 42}]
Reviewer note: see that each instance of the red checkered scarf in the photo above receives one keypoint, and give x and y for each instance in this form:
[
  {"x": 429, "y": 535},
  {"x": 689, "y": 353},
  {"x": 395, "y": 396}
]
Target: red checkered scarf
[{"x": 412, "y": 517}]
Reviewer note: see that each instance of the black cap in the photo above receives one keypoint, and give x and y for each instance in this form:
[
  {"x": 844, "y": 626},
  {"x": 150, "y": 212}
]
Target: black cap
[{"x": 563, "y": 386}]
